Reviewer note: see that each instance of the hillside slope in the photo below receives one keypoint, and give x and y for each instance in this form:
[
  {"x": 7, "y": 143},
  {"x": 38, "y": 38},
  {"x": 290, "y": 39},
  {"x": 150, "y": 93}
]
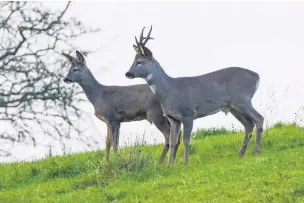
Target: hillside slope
[{"x": 215, "y": 173}]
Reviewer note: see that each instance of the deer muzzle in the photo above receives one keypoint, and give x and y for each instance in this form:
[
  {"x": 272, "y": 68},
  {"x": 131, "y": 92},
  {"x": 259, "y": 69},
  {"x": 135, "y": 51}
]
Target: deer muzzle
[
  {"x": 130, "y": 75},
  {"x": 66, "y": 80}
]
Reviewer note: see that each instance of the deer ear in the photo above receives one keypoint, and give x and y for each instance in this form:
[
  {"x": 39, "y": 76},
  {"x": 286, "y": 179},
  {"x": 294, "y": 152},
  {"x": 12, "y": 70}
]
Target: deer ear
[
  {"x": 136, "y": 48},
  {"x": 139, "y": 50},
  {"x": 68, "y": 57},
  {"x": 80, "y": 57},
  {"x": 142, "y": 52}
]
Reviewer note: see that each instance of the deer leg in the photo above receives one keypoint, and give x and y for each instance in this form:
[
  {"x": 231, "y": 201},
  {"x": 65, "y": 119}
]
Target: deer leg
[
  {"x": 164, "y": 152},
  {"x": 188, "y": 125},
  {"x": 174, "y": 132},
  {"x": 163, "y": 125},
  {"x": 247, "y": 110},
  {"x": 166, "y": 148},
  {"x": 177, "y": 144},
  {"x": 259, "y": 121},
  {"x": 115, "y": 136},
  {"x": 248, "y": 125},
  {"x": 108, "y": 143}
]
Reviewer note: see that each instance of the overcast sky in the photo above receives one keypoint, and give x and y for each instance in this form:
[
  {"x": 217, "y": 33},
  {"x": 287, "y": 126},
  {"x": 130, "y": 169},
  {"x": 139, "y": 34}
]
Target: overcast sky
[{"x": 193, "y": 38}]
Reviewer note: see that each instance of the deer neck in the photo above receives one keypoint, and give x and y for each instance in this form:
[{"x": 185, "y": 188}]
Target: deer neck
[
  {"x": 91, "y": 87},
  {"x": 159, "y": 82}
]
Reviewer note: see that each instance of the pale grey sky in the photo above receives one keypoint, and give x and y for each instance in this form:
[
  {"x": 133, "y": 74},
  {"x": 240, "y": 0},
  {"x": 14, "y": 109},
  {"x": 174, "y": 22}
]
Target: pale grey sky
[{"x": 193, "y": 38}]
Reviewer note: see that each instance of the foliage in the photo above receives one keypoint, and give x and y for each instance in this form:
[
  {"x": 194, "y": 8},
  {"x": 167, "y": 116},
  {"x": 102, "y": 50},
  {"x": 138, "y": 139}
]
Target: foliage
[
  {"x": 215, "y": 173},
  {"x": 210, "y": 132},
  {"x": 32, "y": 95}
]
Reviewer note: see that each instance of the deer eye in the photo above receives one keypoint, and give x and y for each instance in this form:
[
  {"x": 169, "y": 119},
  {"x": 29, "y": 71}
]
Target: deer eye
[
  {"x": 75, "y": 70},
  {"x": 139, "y": 62}
]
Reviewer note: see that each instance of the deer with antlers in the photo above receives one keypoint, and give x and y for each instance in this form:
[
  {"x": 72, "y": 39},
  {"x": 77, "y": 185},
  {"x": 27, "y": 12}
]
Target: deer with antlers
[
  {"x": 185, "y": 99},
  {"x": 116, "y": 104}
]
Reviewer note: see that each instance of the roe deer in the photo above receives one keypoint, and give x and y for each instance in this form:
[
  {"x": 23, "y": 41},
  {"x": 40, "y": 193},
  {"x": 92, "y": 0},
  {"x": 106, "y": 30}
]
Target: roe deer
[
  {"x": 184, "y": 99},
  {"x": 116, "y": 104}
]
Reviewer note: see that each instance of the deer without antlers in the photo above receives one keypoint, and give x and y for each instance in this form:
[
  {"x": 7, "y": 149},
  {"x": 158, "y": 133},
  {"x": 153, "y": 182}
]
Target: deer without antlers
[
  {"x": 184, "y": 99},
  {"x": 116, "y": 104}
]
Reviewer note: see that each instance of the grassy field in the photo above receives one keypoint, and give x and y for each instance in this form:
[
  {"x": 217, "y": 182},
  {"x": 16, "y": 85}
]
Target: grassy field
[{"x": 215, "y": 173}]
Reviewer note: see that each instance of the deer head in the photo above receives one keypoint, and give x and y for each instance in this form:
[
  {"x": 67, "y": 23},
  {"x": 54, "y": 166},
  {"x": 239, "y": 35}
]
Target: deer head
[
  {"x": 78, "y": 67},
  {"x": 143, "y": 63}
]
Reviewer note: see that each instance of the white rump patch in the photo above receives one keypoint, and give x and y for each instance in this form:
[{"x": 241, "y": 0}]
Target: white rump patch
[
  {"x": 257, "y": 85},
  {"x": 153, "y": 88}
]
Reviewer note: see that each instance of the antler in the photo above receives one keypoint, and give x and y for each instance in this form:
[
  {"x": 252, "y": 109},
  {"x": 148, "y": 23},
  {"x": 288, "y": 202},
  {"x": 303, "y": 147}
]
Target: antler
[
  {"x": 148, "y": 36},
  {"x": 140, "y": 45},
  {"x": 143, "y": 40}
]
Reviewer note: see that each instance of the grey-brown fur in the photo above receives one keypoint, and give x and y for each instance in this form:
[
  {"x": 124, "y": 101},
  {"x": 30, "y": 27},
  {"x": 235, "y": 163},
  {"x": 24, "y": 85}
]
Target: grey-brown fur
[
  {"x": 116, "y": 104},
  {"x": 184, "y": 99}
]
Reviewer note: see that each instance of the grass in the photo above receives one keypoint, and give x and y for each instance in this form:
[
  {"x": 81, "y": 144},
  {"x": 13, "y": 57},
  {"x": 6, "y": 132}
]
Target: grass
[{"x": 215, "y": 173}]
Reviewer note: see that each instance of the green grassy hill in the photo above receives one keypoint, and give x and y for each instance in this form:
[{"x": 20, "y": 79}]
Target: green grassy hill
[{"x": 215, "y": 173}]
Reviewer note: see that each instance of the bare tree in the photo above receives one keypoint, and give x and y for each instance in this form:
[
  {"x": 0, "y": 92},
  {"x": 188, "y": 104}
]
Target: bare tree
[{"x": 32, "y": 95}]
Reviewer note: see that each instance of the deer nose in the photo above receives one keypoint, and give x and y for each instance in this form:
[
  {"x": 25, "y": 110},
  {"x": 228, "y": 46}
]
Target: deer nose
[
  {"x": 66, "y": 80},
  {"x": 130, "y": 75}
]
